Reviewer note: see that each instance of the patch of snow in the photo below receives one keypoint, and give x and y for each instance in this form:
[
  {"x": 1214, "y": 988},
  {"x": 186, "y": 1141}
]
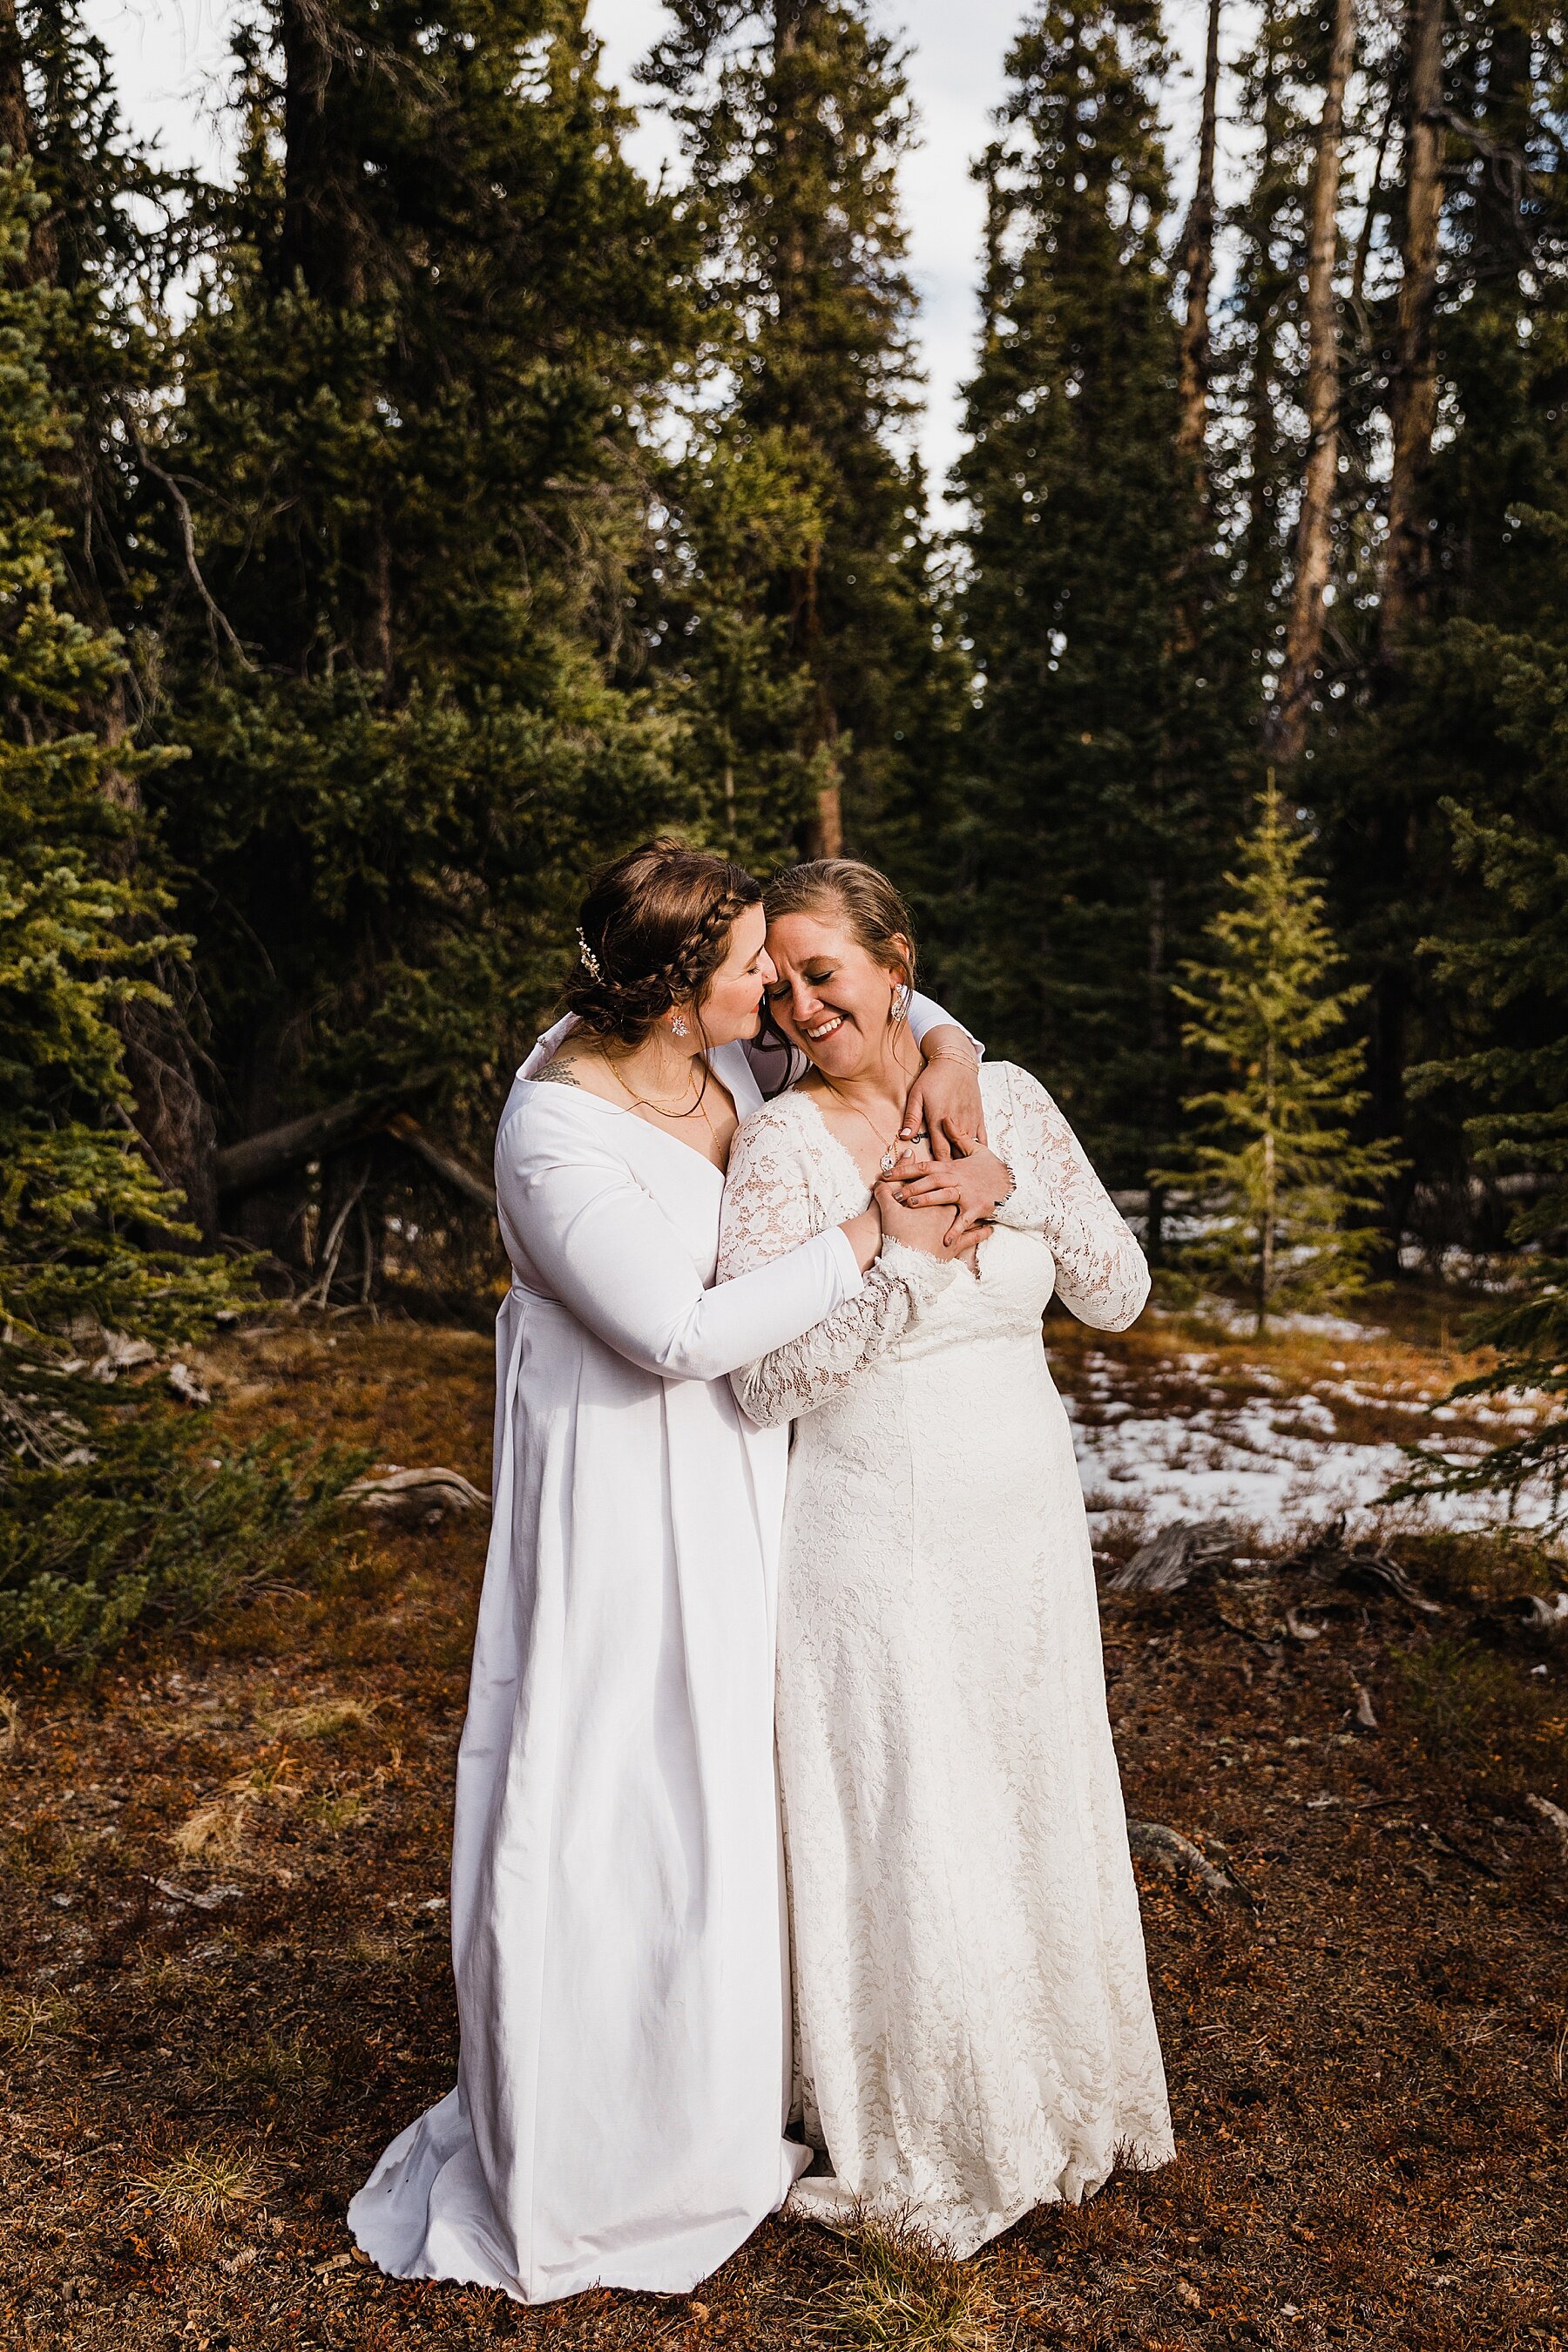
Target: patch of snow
[{"x": 1181, "y": 1467}]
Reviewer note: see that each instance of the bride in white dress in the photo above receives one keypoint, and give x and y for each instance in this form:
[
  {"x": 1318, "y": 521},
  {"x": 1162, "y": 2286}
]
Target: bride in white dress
[
  {"x": 974, "y": 2035},
  {"x": 617, "y": 1892}
]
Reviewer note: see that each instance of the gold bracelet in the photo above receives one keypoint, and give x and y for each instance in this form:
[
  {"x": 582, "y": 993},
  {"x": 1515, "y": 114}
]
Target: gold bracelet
[{"x": 943, "y": 1053}]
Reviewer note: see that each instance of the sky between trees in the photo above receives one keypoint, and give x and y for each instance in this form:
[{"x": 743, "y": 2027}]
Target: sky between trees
[{"x": 171, "y": 61}]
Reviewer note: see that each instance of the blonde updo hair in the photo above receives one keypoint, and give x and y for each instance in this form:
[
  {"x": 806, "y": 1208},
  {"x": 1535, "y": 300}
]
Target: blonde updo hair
[
  {"x": 843, "y": 890},
  {"x": 653, "y": 930}
]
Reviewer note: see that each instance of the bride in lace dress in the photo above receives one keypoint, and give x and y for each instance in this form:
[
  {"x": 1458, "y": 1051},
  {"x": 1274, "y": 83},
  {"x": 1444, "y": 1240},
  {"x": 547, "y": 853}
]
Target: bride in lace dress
[{"x": 974, "y": 2033}]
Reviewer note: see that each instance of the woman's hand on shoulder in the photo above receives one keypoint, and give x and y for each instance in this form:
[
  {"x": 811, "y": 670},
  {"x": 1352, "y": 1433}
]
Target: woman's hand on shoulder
[{"x": 944, "y": 1102}]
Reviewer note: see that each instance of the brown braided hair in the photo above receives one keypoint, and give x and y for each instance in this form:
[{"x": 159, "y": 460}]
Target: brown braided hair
[{"x": 655, "y": 927}]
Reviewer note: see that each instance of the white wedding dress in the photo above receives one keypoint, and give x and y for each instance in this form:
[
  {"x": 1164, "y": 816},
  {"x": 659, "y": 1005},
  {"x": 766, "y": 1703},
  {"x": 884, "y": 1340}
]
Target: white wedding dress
[{"x": 974, "y": 2035}]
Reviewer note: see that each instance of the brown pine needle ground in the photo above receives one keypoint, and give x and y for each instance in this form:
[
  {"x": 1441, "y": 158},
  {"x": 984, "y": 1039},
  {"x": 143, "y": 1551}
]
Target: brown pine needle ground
[{"x": 202, "y": 2051}]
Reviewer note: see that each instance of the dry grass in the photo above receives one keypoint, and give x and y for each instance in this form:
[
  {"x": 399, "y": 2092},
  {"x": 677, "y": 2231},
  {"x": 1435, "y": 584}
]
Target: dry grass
[
  {"x": 277, "y": 2063},
  {"x": 892, "y": 2290},
  {"x": 203, "y": 2184},
  {"x": 320, "y": 1718},
  {"x": 28, "y": 2019},
  {"x": 217, "y": 1831}
]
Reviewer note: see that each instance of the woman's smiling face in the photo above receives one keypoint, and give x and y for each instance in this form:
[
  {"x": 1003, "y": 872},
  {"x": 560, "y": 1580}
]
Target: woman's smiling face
[{"x": 831, "y": 998}]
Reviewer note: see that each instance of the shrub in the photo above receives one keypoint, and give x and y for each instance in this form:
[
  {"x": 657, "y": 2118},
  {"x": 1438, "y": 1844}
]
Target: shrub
[{"x": 156, "y": 1529}]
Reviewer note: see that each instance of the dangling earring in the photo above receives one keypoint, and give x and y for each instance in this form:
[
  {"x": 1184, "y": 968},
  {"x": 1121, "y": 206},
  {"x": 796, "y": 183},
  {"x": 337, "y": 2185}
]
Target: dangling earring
[{"x": 677, "y": 1027}]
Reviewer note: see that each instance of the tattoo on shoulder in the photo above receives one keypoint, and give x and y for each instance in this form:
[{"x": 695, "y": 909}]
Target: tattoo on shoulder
[{"x": 560, "y": 1072}]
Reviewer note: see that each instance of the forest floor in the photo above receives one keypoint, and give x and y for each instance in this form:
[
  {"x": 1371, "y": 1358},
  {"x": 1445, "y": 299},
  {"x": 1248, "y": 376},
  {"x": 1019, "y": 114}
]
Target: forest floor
[{"x": 225, "y": 1972}]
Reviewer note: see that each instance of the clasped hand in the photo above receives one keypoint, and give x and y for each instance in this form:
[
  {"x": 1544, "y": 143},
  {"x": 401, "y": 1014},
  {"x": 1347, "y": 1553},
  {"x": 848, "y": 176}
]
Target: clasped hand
[{"x": 942, "y": 1206}]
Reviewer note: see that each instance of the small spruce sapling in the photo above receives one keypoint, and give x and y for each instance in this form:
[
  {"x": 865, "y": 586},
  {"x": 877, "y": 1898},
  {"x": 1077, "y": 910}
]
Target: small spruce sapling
[{"x": 1272, "y": 1160}]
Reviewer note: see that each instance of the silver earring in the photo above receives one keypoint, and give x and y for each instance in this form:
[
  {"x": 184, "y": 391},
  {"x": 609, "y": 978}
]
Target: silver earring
[{"x": 677, "y": 1027}]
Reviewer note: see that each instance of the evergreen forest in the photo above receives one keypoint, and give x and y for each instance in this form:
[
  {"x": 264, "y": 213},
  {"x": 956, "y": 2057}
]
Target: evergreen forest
[{"x": 436, "y": 507}]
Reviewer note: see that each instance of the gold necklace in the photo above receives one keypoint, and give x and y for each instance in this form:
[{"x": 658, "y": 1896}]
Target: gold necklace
[
  {"x": 889, "y": 1155},
  {"x": 642, "y": 1102}
]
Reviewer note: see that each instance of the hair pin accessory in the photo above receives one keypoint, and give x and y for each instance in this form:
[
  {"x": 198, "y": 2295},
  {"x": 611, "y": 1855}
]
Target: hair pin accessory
[{"x": 589, "y": 958}]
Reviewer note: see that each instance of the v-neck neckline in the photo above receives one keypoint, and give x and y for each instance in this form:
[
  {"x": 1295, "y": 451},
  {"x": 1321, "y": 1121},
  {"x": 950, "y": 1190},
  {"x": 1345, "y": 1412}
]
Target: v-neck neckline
[
  {"x": 621, "y": 1110},
  {"x": 843, "y": 1148}
]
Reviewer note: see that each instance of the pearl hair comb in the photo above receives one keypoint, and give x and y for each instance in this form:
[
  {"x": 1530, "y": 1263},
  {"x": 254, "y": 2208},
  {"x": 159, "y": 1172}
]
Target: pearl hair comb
[{"x": 589, "y": 958}]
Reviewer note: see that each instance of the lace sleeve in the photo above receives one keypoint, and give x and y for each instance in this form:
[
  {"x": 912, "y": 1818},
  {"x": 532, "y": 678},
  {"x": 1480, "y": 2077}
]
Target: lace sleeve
[
  {"x": 771, "y": 1205},
  {"x": 1100, "y": 1271}
]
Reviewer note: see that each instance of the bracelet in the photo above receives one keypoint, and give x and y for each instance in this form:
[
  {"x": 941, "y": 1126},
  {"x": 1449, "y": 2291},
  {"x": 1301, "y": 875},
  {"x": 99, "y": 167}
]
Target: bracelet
[{"x": 942, "y": 1054}]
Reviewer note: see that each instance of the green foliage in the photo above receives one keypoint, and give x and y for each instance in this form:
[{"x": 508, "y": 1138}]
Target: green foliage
[
  {"x": 1275, "y": 1164},
  {"x": 87, "y": 1233},
  {"x": 439, "y": 300},
  {"x": 1518, "y": 972},
  {"x": 156, "y": 1531},
  {"x": 803, "y": 629},
  {"x": 1111, "y": 738}
]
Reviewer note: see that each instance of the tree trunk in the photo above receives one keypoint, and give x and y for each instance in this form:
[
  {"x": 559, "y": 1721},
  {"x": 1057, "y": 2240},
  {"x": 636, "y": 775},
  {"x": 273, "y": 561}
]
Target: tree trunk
[
  {"x": 1412, "y": 389},
  {"x": 1258, "y": 401},
  {"x": 1197, "y": 264},
  {"x": 1266, "y": 1230},
  {"x": 173, "y": 1118},
  {"x": 323, "y": 226},
  {"x": 1369, "y": 216},
  {"x": 823, "y": 833},
  {"x": 1314, "y": 532}
]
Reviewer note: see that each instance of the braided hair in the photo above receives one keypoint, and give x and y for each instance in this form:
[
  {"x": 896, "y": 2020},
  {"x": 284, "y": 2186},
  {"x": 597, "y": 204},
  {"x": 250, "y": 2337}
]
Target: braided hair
[{"x": 653, "y": 930}]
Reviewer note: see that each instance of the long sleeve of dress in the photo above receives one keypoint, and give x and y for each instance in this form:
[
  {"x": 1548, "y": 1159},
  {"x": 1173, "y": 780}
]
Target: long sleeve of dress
[
  {"x": 767, "y": 1210},
  {"x": 1101, "y": 1273},
  {"x": 605, "y": 1250}
]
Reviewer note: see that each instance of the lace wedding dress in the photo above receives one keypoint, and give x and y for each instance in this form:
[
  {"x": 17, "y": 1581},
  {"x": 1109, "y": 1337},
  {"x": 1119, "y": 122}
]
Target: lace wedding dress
[{"x": 974, "y": 2035}]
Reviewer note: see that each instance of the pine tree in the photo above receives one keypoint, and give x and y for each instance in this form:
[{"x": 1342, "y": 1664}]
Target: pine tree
[
  {"x": 1108, "y": 751},
  {"x": 111, "y": 233},
  {"x": 90, "y": 1240},
  {"x": 802, "y": 519},
  {"x": 440, "y": 303},
  {"x": 1477, "y": 579},
  {"x": 1274, "y": 1162},
  {"x": 1515, "y": 972}
]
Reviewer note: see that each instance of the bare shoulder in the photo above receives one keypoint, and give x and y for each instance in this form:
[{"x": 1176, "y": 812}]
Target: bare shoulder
[{"x": 560, "y": 1072}]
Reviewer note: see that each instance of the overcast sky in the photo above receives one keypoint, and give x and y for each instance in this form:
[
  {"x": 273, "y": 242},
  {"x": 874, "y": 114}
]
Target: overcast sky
[{"x": 171, "y": 56}]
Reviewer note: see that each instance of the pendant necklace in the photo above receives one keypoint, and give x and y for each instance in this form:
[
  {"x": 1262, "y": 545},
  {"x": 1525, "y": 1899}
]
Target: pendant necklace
[{"x": 890, "y": 1152}]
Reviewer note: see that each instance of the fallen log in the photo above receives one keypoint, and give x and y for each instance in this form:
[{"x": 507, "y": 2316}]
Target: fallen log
[
  {"x": 414, "y": 1491},
  {"x": 1173, "y": 1558},
  {"x": 1178, "y": 1857},
  {"x": 445, "y": 1164},
  {"x": 262, "y": 1158},
  {"x": 1553, "y": 1817}
]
